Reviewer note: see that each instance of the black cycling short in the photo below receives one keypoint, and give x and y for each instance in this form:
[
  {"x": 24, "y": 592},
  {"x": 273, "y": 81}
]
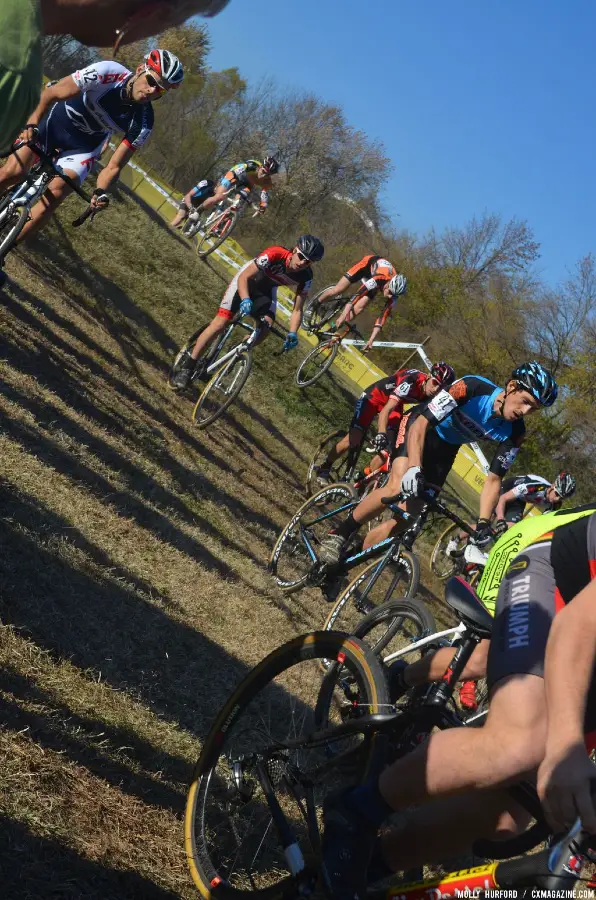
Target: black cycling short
[
  {"x": 437, "y": 457},
  {"x": 514, "y": 511}
]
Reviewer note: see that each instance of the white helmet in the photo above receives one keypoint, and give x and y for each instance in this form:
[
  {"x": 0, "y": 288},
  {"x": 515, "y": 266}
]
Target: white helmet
[
  {"x": 166, "y": 66},
  {"x": 398, "y": 285}
]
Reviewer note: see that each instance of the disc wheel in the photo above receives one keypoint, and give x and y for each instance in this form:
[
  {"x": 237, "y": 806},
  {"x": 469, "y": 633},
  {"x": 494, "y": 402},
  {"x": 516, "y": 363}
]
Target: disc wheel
[
  {"x": 400, "y": 578},
  {"x": 291, "y": 561},
  {"x": 316, "y": 363},
  {"x": 11, "y": 225},
  {"x": 222, "y": 389},
  {"x": 260, "y": 742},
  {"x": 217, "y": 232}
]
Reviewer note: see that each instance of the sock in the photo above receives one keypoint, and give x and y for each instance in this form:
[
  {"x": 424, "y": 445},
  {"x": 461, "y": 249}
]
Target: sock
[
  {"x": 366, "y": 800},
  {"x": 348, "y": 527}
]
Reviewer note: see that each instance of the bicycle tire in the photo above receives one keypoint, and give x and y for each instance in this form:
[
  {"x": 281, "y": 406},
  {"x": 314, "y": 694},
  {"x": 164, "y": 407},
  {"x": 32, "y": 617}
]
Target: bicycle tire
[
  {"x": 317, "y": 321},
  {"x": 349, "y": 608},
  {"x": 336, "y": 492},
  {"x": 440, "y": 565},
  {"x": 233, "y": 217},
  {"x": 243, "y": 360},
  {"x": 219, "y": 773},
  {"x": 394, "y": 612},
  {"x": 330, "y": 348},
  {"x": 342, "y": 470},
  {"x": 187, "y": 347},
  {"x": 12, "y": 224}
]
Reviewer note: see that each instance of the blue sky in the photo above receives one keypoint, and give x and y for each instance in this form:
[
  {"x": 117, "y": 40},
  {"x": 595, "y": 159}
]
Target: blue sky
[{"x": 480, "y": 105}]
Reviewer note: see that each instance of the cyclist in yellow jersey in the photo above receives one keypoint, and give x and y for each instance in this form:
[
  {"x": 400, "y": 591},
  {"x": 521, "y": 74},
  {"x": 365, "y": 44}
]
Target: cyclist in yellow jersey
[{"x": 541, "y": 582}]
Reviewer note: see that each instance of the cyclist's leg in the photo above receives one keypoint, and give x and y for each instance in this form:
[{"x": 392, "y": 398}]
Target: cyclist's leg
[
  {"x": 219, "y": 194},
  {"x": 182, "y": 214},
  {"x": 264, "y": 307},
  {"x": 432, "y": 666},
  {"x": 351, "y": 310},
  {"x": 16, "y": 167},
  {"x": 77, "y": 166},
  {"x": 342, "y": 285}
]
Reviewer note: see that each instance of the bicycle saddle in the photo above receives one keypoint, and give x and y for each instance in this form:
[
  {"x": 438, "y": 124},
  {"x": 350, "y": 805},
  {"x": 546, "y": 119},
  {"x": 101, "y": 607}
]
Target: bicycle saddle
[{"x": 461, "y": 597}]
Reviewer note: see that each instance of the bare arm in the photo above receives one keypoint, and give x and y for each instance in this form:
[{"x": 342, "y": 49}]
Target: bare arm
[
  {"x": 504, "y": 499},
  {"x": 243, "y": 277},
  {"x": 296, "y": 317},
  {"x": 391, "y": 404},
  {"x": 490, "y": 495},
  {"x": 110, "y": 173},
  {"x": 565, "y": 773},
  {"x": 62, "y": 90},
  {"x": 416, "y": 436}
]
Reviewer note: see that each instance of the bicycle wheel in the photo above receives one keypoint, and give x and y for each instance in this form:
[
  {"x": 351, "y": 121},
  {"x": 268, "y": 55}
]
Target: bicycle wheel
[
  {"x": 261, "y": 735},
  {"x": 373, "y": 587},
  {"x": 316, "y": 363},
  {"x": 217, "y": 232},
  {"x": 191, "y": 226},
  {"x": 11, "y": 225},
  {"x": 318, "y": 314},
  {"x": 442, "y": 565},
  {"x": 341, "y": 470},
  {"x": 389, "y": 628},
  {"x": 290, "y": 560},
  {"x": 222, "y": 389}
]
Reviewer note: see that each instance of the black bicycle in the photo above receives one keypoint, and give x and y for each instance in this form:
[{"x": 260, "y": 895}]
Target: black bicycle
[
  {"x": 285, "y": 740},
  {"x": 316, "y": 314}
]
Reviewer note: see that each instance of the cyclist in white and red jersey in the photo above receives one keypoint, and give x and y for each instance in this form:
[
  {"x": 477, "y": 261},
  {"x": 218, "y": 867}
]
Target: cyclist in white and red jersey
[
  {"x": 535, "y": 490},
  {"x": 386, "y": 398},
  {"x": 76, "y": 115},
  {"x": 253, "y": 292}
]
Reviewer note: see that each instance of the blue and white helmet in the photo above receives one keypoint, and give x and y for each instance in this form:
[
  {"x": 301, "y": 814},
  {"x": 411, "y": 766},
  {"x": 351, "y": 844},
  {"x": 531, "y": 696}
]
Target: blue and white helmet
[
  {"x": 398, "y": 285},
  {"x": 538, "y": 381}
]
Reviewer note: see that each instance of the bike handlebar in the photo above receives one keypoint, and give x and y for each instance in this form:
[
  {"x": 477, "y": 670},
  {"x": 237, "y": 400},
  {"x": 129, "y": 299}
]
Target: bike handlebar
[{"x": 48, "y": 160}]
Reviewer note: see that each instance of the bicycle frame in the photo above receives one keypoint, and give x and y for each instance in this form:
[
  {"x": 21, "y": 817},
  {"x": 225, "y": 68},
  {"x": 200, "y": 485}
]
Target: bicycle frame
[
  {"x": 29, "y": 191},
  {"x": 237, "y": 203},
  {"x": 242, "y": 347}
]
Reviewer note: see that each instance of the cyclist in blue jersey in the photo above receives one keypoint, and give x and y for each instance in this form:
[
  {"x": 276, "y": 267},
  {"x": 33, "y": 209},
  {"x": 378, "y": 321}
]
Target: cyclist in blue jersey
[
  {"x": 76, "y": 115},
  {"x": 430, "y": 437}
]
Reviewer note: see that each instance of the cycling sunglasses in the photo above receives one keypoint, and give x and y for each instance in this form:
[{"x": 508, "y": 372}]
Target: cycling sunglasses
[
  {"x": 301, "y": 256},
  {"x": 154, "y": 83}
]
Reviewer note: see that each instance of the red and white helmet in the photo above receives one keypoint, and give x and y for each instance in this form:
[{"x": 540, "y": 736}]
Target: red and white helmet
[{"x": 166, "y": 66}]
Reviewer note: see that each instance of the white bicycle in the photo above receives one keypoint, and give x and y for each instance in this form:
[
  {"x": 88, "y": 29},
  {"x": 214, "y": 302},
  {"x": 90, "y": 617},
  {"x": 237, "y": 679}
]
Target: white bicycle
[
  {"x": 220, "y": 223},
  {"x": 16, "y": 204}
]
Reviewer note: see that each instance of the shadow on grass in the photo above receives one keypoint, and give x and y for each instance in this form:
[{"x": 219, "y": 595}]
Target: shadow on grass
[
  {"x": 100, "y": 625},
  {"x": 91, "y": 743},
  {"x": 32, "y": 866}
]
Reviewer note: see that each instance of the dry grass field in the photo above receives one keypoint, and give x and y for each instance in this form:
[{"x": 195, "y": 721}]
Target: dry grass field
[{"x": 133, "y": 586}]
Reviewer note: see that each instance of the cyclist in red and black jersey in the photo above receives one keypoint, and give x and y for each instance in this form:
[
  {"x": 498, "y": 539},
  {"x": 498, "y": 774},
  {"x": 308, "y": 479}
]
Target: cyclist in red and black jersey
[
  {"x": 375, "y": 274},
  {"x": 253, "y": 292},
  {"x": 386, "y": 398}
]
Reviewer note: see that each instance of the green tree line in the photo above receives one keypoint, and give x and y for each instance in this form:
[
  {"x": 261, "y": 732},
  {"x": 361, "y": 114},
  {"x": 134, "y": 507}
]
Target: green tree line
[{"x": 473, "y": 289}]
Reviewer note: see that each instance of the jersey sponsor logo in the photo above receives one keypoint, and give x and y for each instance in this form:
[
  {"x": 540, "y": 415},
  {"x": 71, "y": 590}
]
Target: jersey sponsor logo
[
  {"x": 382, "y": 262},
  {"x": 442, "y": 405},
  {"x": 458, "y": 390},
  {"x": 113, "y": 77},
  {"x": 518, "y": 565},
  {"x": 518, "y": 624},
  {"x": 78, "y": 120},
  {"x": 507, "y": 458},
  {"x": 203, "y": 183}
]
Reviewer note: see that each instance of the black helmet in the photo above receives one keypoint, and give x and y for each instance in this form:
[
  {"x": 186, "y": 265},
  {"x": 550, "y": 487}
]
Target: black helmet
[
  {"x": 271, "y": 165},
  {"x": 311, "y": 247},
  {"x": 538, "y": 381}
]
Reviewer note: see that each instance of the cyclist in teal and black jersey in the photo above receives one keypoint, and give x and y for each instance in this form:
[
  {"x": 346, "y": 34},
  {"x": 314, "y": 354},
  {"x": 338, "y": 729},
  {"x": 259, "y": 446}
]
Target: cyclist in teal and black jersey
[
  {"x": 430, "y": 437},
  {"x": 252, "y": 174}
]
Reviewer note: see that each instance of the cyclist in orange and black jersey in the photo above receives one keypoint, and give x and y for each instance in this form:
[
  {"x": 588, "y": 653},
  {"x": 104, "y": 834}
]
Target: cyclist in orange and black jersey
[{"x": 375, "y": 274}]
